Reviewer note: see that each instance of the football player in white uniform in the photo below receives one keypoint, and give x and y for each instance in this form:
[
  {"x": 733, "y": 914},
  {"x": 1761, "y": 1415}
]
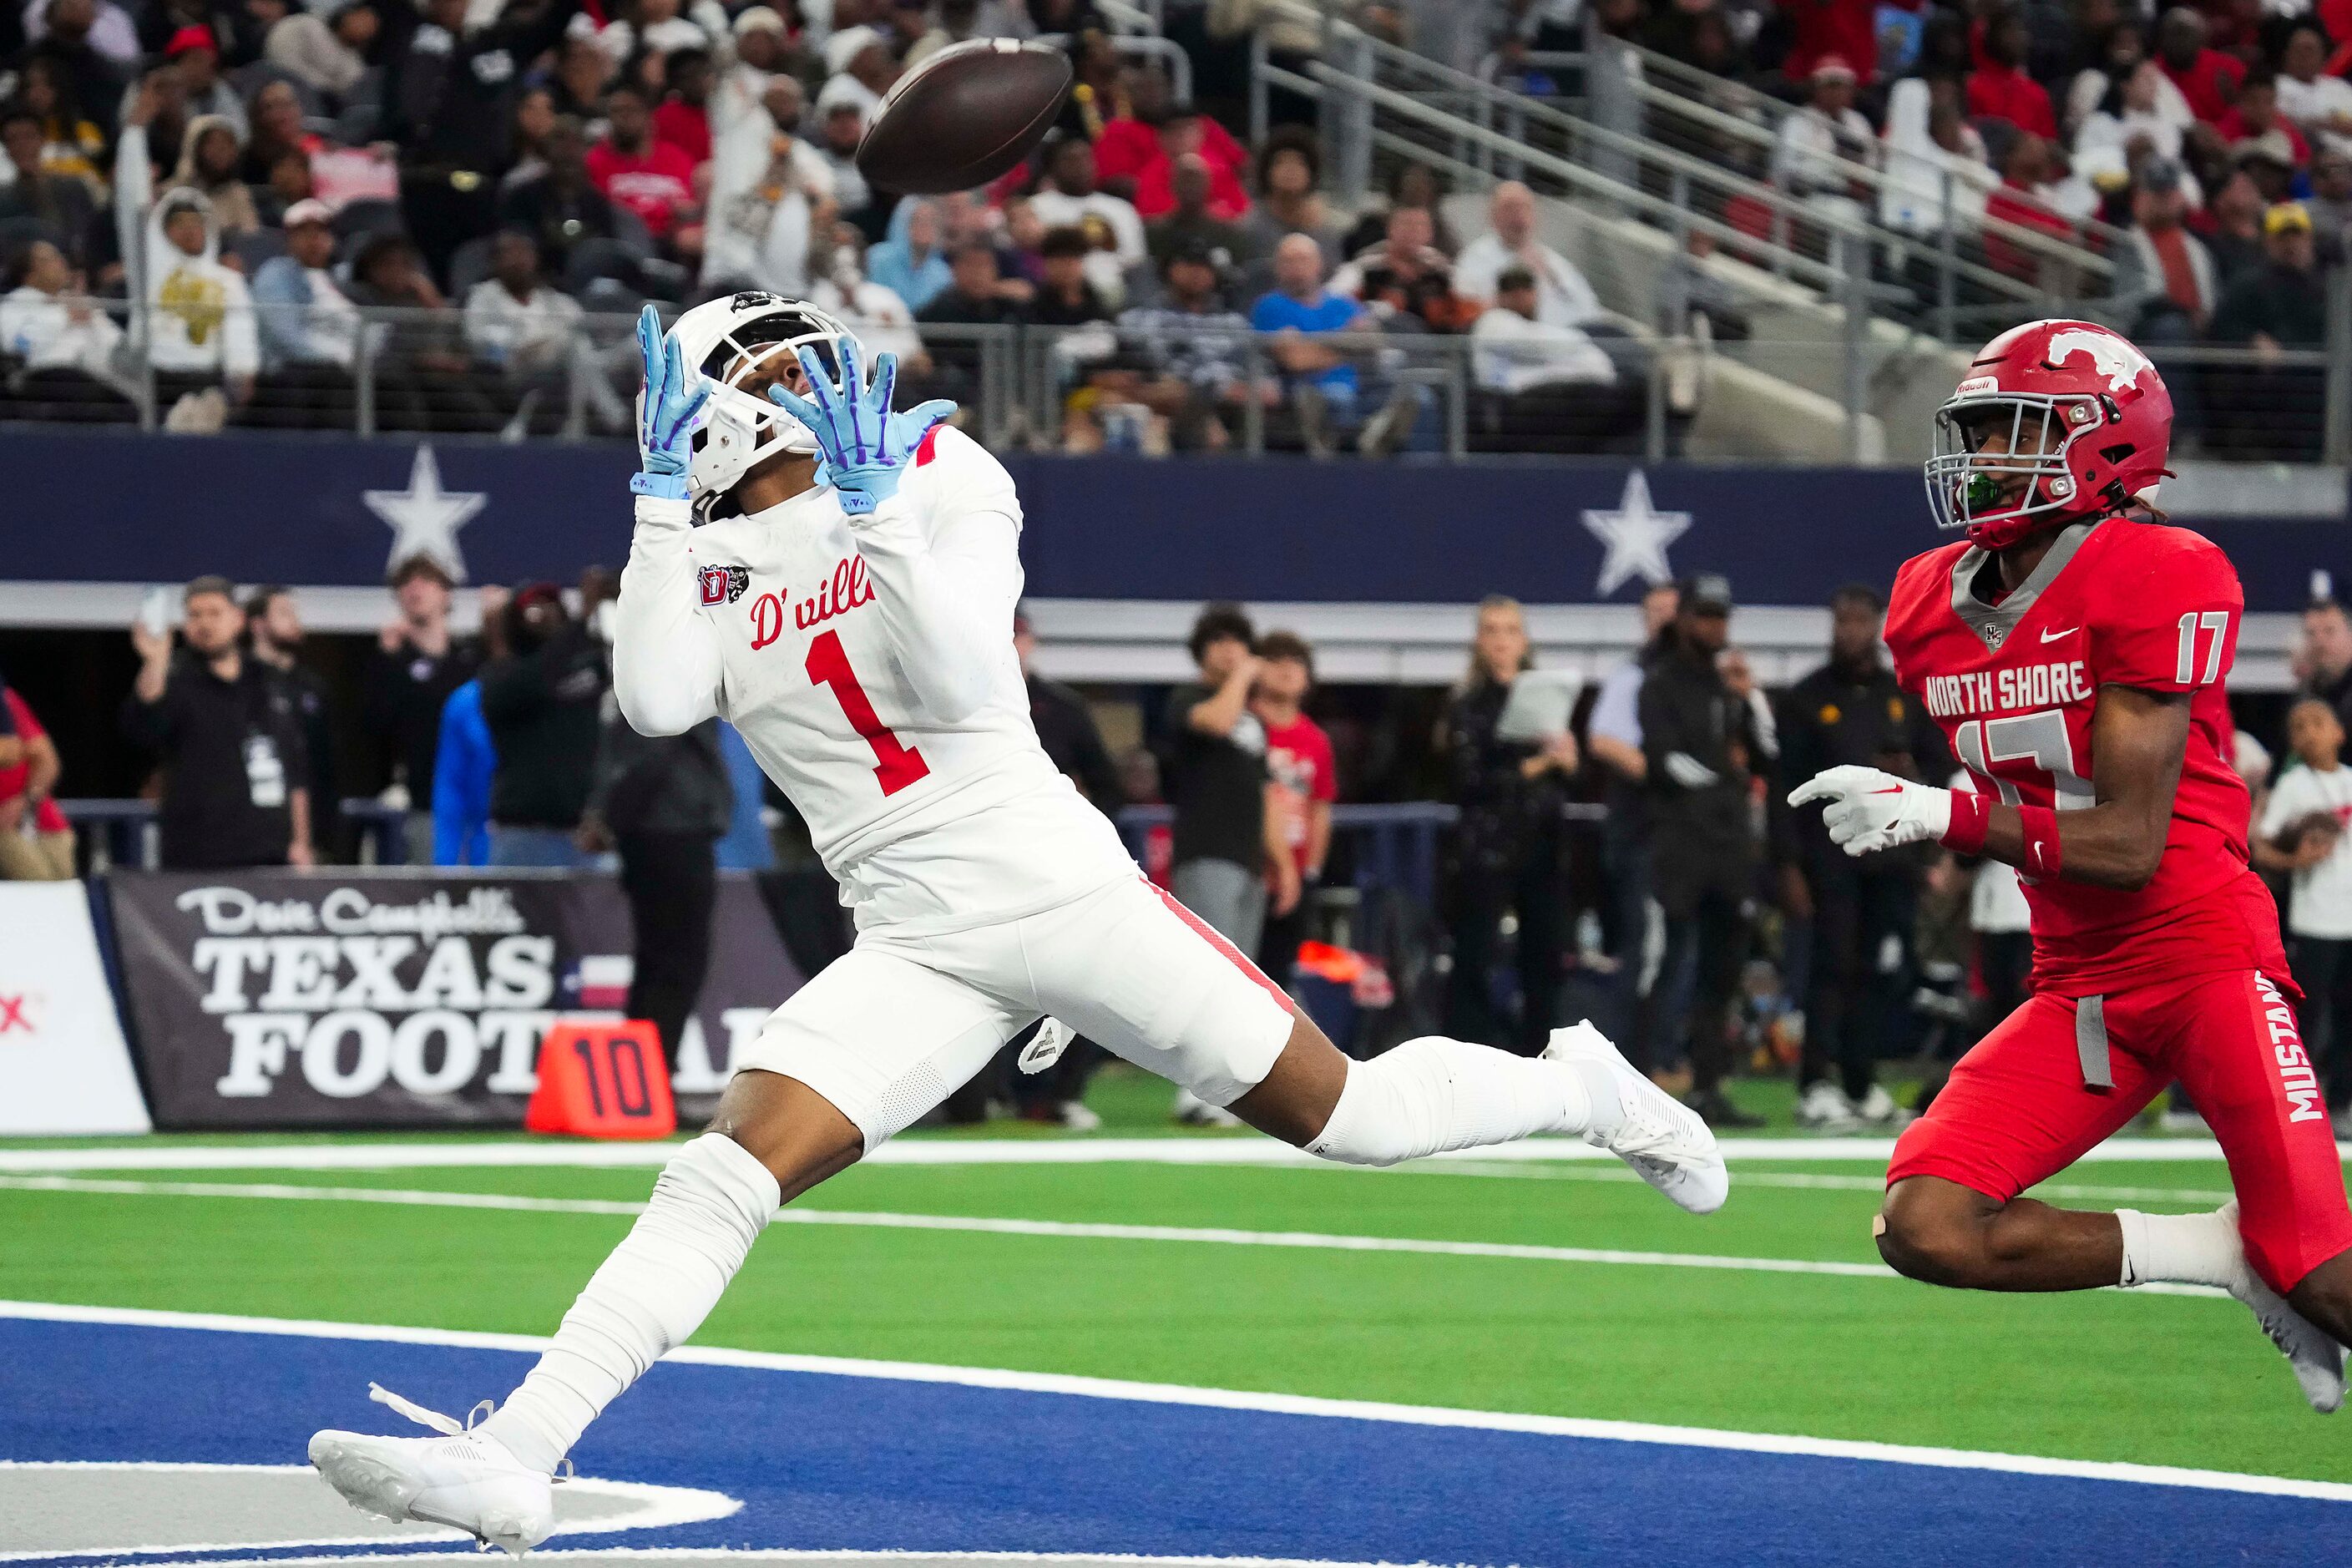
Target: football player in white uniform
[{"x": 846, "y": 601}]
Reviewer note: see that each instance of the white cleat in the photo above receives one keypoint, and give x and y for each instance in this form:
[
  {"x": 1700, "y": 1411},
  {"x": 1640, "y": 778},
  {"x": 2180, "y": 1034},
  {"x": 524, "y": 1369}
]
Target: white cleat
[
  {"x": 2311, "y": 1351},
  {"x": 1825, "y": 1109},
  {"x": 1663, "y": 1139},
  {"x": 463, "y": 1478}
]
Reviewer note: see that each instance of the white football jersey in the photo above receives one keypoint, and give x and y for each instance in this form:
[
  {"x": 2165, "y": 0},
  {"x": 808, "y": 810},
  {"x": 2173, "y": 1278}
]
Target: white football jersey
[{"x": 929, "y": 823}]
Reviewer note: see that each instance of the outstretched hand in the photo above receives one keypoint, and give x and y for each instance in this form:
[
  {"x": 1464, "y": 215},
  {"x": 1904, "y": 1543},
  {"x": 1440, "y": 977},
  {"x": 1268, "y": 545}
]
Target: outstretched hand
[
  {"x": 1867, "y": 809},
  {"x": 866, "y": 446},
  {"x": 666, "y": 411}
]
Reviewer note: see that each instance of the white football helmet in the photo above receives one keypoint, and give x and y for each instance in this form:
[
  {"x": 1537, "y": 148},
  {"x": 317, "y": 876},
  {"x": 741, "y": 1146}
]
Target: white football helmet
[{"x": 726, "y": 338}]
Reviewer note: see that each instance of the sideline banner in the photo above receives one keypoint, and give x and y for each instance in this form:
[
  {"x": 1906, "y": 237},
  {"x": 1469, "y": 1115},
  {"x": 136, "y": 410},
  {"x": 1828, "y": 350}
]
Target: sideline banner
[
  {"x": 63, "y": 1064},
  {"x": 273, "y": 998}
]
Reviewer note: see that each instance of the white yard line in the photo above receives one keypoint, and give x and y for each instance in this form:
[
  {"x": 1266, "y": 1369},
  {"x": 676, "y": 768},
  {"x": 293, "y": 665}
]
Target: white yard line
[
  {"x": 348, "y": 1157},
  {"x": 1232, "y": 1399},
  {"x": 1059, "y": 1229}
]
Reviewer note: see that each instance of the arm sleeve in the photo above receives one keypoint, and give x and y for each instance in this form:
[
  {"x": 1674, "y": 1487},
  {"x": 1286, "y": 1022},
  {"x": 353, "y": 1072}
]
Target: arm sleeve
[
  {"x": 1096, "y": 770},
  {"x": 2170, "y": 618},
  {"x": 529, "y": 34},
  {"x": 512, "y": 686},
  {"x": 149, "y": 724},
  {"x": 666, "y": 665},
  {"x": 946, "y": 593},
  {"x": 1662, "y": 740},
  {"x": 240, "y": 339}
]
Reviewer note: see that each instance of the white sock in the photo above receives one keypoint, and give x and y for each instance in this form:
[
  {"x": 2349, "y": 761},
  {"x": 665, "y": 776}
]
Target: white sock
[
  {"x": 1433, "y": 1094},
  {"x": 710, "y": 1205},
  {"x": 2179, "y": 1249}
]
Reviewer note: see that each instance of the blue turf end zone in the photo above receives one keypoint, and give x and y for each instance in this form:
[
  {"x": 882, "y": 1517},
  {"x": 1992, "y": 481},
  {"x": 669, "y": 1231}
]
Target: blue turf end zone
[{"x": 835, "y": 1462}]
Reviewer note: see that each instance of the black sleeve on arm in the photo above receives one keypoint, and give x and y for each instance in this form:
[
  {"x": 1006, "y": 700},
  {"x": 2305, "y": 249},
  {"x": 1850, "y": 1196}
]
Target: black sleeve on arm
[
  {"x": 151, "y": 724},
  {"x": 1799, "y": 760},
  {"x": 1096, "y": 770},
  {"x": 512, "y": 688},
  {"x": 530, "y": 34},
  {"x": 1660, "y": 733}
]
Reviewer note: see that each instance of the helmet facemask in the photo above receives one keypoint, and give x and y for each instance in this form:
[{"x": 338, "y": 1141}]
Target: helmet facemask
[
  {"x": 2001, "y": 495},
  {"x": 758, "y": 346}
]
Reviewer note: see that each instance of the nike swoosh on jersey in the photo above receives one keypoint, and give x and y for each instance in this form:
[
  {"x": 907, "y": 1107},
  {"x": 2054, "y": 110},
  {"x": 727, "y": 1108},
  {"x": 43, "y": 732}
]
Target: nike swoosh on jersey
[{"x": 2054, "y": 637}]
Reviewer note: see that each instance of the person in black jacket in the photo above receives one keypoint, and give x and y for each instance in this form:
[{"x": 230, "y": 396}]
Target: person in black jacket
[
  {"x": 274, "y": 635},
  {"x": 543, "y": 704},
  {"x": 1065, "y": 729},
  {"x": 1861, "y": 914},
  {"x": 1511, "y": 846},
  {"x": 663, "y": 802},
  {"x": 235, "y": 789},
  {"x": 1698, "y": 746},
  {"x": 449, "y": 100},
  {"x": 416, "y": 663}
]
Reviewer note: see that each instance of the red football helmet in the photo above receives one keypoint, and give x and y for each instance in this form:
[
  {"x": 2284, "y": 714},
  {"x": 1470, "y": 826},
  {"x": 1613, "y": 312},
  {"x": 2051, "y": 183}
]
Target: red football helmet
[{"x": 2056, "y": 421}]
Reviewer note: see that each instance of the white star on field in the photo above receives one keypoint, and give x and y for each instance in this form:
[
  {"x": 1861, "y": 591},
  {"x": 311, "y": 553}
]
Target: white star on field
[
  {"x": 425, "y": 519},
  {"x": 1635, "y": 537}
]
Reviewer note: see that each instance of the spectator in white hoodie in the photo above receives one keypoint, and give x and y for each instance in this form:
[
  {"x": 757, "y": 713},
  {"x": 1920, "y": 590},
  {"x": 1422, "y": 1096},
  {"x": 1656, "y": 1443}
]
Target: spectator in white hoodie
[
  {"x": 771, "y": 195},
  {"x": 196, "y": 324}
]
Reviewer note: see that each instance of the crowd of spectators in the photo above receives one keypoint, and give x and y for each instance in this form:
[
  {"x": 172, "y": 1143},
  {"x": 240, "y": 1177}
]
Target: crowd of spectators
[
  {"x": 268, "y": 203},
  {"x": 2217, "y": 137}
]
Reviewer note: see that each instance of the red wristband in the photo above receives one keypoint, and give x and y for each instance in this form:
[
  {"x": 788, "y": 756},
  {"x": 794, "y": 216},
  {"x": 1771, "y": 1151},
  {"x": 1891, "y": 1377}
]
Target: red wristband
[
  {"x": 2040, "y": 832},
  {"x": 1971, "y": 816}
]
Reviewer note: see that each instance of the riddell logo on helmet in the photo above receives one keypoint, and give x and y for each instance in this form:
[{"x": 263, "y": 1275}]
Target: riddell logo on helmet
[
  {"x": 2113, "y": 357},
  {"x": 1976, "y": 383}
]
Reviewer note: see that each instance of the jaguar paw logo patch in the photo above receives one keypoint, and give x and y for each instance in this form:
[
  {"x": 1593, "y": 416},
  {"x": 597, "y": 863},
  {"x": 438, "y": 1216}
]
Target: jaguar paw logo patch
[{"x": 724, "y": 585}]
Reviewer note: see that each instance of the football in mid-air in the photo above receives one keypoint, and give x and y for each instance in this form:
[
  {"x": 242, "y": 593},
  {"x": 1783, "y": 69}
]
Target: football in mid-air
[{"x": 963, "y": 117}]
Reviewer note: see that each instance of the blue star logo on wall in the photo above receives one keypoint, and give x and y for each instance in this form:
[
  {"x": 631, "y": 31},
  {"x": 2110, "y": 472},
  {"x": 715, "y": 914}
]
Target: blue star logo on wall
[
  {"x": 425, "y": 519},
  {"x": 1634, "y": 537}
]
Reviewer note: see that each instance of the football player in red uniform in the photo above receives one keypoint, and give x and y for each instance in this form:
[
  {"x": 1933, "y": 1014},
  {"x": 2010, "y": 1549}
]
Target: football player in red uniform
[{"x": 2073, "y": 648}]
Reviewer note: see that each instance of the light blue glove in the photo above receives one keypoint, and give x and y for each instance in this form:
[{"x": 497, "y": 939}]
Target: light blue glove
[
  {"x": 666, "y": 410},
  {"x": 866, "y": 446}
]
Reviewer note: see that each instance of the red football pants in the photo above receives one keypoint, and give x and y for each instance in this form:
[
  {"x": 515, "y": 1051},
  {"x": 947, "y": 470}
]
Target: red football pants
[{"x": 2022, "y": 1106}]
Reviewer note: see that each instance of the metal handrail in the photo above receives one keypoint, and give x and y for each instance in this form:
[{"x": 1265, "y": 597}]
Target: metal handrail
[
  {"x": 1818, "y": 274},
  {"x": 1871, "y": 174},
  {"x": 1546, "y": 111}
]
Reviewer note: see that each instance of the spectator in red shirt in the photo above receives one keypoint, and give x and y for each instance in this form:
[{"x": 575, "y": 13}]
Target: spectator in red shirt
[
  {"x": 1135, "y": 154},
  {"x": 2018, "y": 200},
  {"x": 1845, "y": 28},
  {"x": 1998, "y": 88},
  {"x": 2208, "y": 79},
  {"x": 684, "y": 119},
  {"x": 652, "y": 179},
  {"x": 2256, "y": 114},
  {"x": 46, "y": 854},
  {"x": 1301, "y": 787}
]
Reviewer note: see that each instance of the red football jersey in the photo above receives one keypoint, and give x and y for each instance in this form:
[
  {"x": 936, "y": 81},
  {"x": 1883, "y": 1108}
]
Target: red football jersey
[{"x": 2015, "y": 686}]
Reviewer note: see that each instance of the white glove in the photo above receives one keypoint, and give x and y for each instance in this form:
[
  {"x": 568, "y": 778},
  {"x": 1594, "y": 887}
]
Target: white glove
[{"x": 1869, "y": 810}]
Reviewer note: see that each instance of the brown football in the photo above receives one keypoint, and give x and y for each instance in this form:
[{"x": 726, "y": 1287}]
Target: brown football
[{"x": 963, "y": 117}]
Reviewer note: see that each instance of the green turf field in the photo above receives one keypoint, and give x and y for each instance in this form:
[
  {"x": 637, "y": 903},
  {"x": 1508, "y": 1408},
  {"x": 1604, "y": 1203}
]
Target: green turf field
[{"x": 2158, "y": 1379}]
